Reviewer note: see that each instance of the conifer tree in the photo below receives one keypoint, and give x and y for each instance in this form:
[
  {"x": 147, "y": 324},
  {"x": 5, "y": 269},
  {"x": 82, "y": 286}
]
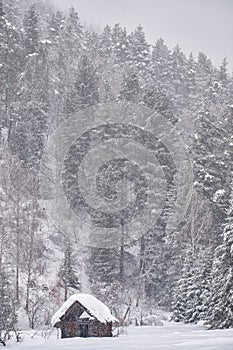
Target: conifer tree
[
  {"x": 105, "y": 43},
  {"x": 31, "y": 29},
  {"x": 153, "y": 266},
  {"x": 13, "y": 12},
  {"x": 180, "y": 303},
  {"x": 85, "y": 92},
  {"x": 68, "y": 271},
  {"x": 55, "y": 29},
  {"x": 220, "y": 310},
  {"x": 8, "y": 316},
  {"x": 160, "y": 65},
  {"x": 73, "y": 34},
  {"x": 223, "y": 75},
  {"x": 130, "y": 89},
  {"x": 10, "y": 67},
  {"x": 120, "y": 43},
  {"x": 212, "y": 151},
  {"x": 155, "y": 99},
  {"x": 139, "y": 55},
  {"x": 191, "y": 75},
  {"x": 31, "y": 121}
]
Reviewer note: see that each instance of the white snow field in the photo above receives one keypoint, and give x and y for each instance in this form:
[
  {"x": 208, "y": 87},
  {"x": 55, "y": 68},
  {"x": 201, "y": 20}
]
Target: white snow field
[{"x": 172, "y": 336}]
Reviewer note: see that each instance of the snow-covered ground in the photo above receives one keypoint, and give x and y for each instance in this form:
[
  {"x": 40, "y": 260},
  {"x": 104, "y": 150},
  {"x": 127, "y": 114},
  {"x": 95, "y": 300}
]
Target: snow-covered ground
[{"x": 172, "y": 336}]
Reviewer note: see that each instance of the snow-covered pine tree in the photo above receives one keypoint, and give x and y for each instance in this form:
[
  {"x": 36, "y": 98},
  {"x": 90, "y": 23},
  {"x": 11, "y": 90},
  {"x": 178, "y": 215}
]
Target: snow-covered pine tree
[
  {"x": 220, "y": 308},
  {"x": 199, "y": 287},
  {"x": 120, "y": 43},
  {"x": 10, "y": 66},
  {"x": 192, "y": 237},
  {"x": 204, "y": 75},
  {"x": 180, "y": 297},
  {"x": 178, "y": 63},
  {"x": 55, "y": 28},
  {"x": 160, "y": 66},
  {"x": 12, "y": 11},
  {"x": 85, "y": 92},
  {"x": 105, "y": 43},
  {"x": 90, "y": 43},
  {"x": 104, "y": 265},
  {"x": 31, "y": 30},
  {"x": 191, "y": 75},
  {"x": 205, "y": 263},
  {"x": 104, "y": 270},
  {"x": 8, "y": 317},
  {"x": 130, "y": 88},
  {"x": 157, "y": 100},
  {"x": 223, "y": 73},
  {"x": 192, "y": 289},
  {"x": 212, "y": 152},
  {"x": 14, "y": 194},
  {"x": 59, "y": 68},
  {"x": 139, "y": 50},
  {"x": 106, "y": 280},
  {"x": 68, "y": 271},
  {"x": 153, "y": 271},
  {"x": 73, "y": 32},
  {"x": 32, "y": 103}
]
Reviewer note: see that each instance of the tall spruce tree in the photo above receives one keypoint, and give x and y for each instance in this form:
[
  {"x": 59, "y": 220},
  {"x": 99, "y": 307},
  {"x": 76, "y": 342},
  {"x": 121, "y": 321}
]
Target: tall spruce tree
[
  {"x": 220, "y": 308},
  {"x": 139, "y": 50},
  {"x": 160, "y": 66},
  {"x": 85, "y": 92},
  {"x": 120, "y": 43},
  {"x": 212, "y": 151},
  {"x": 73, "y": 32},
  {"x": 31, "y": 30},
  {"x": 31, "y": 122},
  {"x": 105, "y": 43},
  {"x": 68, "y": 271},
  {"x": 10, "y": 68}
]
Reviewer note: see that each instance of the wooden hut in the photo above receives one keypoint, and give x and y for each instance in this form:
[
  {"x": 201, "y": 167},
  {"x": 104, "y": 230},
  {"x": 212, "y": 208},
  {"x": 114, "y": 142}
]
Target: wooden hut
[{"x": 83, "y": 315}]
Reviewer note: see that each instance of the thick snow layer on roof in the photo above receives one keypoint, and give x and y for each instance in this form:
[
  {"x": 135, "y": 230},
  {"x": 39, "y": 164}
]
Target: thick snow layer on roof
[{"x": 94, "y": 306}]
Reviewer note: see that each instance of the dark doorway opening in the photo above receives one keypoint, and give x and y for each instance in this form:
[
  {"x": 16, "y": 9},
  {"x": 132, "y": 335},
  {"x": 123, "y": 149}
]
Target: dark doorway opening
[{"x": 83, "y": 330}]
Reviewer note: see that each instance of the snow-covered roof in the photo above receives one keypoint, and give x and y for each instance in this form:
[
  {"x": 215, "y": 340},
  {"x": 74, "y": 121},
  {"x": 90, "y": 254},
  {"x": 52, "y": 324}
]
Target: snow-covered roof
[{"x": 92, "y": 305}]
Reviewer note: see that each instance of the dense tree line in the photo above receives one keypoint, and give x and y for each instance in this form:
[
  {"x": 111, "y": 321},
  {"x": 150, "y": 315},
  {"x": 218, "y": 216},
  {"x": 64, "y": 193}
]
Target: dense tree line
[{"x": 52, "y": 66}]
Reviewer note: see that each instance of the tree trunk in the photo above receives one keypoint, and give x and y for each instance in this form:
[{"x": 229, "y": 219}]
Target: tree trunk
[
  {"x": 122, "y": 251},
  {"x": 66, "y": 292},
  {"x": 17, "y": 253}
]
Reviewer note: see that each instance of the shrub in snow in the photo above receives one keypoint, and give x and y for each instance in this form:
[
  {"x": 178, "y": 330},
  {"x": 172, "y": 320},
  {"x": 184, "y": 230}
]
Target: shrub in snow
[{"x": 152, "y": 320}]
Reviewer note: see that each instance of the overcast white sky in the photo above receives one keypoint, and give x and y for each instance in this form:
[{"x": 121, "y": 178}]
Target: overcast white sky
[{"x": 196, "y": 25}]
